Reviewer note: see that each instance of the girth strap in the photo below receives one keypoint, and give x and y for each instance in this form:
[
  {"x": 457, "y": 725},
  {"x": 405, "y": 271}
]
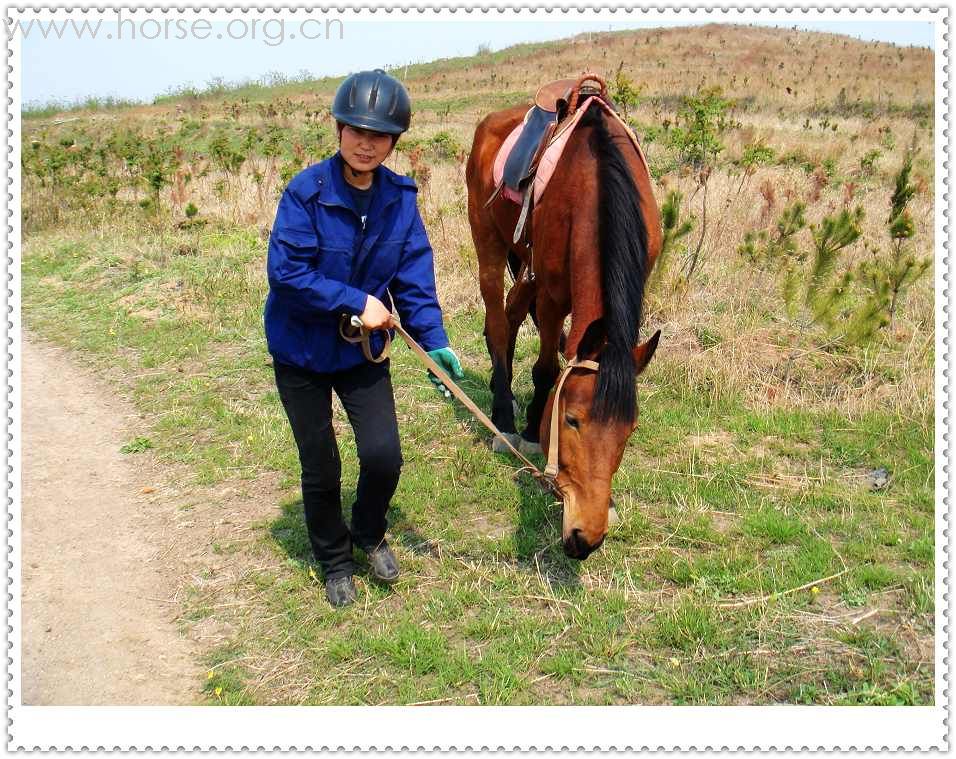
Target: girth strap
[{"x": 525, "y": 208}]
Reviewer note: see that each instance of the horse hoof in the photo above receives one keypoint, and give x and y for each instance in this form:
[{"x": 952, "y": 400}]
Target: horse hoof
[
  {"x": 613, "y": 520},
  {"x": 527, "y": 447},
  {"x": 498, "y": 446}
]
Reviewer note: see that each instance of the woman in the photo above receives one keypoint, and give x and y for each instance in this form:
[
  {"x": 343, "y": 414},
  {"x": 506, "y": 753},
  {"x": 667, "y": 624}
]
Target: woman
[{"x": 348, "y": 240}]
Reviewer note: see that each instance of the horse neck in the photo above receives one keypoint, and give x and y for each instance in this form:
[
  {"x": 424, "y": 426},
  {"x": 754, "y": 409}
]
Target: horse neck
[
  {"x": 586, "y": 257},
  {"x": 587, "y": 299},
  {"x": 583, "y": 259}
]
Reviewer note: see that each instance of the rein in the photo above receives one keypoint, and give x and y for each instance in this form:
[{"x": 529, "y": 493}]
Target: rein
[{"x": 353, "y": 331}]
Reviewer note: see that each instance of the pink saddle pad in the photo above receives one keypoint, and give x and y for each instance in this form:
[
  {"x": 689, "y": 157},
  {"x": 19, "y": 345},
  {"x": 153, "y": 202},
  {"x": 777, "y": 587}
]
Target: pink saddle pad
[
  {"x": 499, "y": 168},
  {"x": 552, "y": 153}
]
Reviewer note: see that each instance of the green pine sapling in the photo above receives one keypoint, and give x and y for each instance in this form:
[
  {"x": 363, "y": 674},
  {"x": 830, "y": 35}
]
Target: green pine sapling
[
  {"x": 673, "y": 228},
  {"x": 813, "y": 292},
  {"x": 768, "y": 251},
  {"x": 824, "y": 295},
  {"x": 887, "y": 277}
]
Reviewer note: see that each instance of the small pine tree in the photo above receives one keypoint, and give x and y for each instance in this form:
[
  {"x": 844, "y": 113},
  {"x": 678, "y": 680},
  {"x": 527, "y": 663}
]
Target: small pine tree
[
  {"x": 814, "y": 293},
  {"x": 772, "y": 252},
  {"x": 673, "y": 229},
  {"x": 872, "y": 315},
  {"x": 824, "y": 296},
  {"x": 887, "y": 277}
]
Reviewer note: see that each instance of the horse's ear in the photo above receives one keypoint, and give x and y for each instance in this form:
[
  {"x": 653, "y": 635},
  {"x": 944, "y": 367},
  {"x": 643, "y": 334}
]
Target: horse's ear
[
  {"x": 592, "y": 341},
  {"x": 645, "y": 352}
]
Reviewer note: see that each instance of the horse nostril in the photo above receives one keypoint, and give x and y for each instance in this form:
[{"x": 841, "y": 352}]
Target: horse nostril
[{"x": 575, "y": 546}]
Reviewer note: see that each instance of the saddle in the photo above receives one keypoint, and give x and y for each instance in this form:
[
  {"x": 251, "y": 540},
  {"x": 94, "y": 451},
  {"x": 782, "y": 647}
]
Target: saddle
[
  {"x": 521, "y": 152},
  {"x": 551, "y": 104},
  {"x": 528, "y": 156}
]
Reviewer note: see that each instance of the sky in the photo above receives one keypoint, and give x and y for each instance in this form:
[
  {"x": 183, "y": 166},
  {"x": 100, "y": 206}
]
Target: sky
[{"x": 71, "y": 67}]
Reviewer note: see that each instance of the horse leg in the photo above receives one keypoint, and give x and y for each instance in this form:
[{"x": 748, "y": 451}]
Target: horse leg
[
  {"x": 546, "y": 369},
  {"x": 520, "y": 300},
  {"x": 533, "y": 312},
  {"x": 492, "y": 283},
  {"x": 514, "y": 264}
]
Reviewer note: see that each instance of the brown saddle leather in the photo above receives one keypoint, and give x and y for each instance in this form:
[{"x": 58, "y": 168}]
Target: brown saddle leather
[
  {"x": 548, "y": 95},
  {"x": 562, "y": 96}
]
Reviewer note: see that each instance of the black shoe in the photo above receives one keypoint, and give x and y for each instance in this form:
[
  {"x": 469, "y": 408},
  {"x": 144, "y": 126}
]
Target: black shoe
[
  {"x": 383, "y": 562},
  {"x": 340, "y": 590}
]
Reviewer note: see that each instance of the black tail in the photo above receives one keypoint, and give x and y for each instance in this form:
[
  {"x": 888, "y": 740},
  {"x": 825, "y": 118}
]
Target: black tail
[{"x": 622, "y": 237}]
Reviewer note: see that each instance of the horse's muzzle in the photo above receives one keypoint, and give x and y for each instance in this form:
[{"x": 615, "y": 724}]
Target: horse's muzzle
[{"x": 577, "y": 547}]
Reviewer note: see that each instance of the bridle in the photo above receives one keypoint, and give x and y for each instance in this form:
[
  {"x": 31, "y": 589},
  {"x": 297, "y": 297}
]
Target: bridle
[{"x": 551, "y": 470}]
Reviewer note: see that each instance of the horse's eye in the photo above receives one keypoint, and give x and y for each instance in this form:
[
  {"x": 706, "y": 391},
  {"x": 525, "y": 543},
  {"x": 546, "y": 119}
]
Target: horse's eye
[{"x": 571, "y": 421}]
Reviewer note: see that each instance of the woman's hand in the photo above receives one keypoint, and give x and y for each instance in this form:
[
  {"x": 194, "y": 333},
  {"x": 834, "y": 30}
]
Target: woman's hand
[
  {"x": 449, "y": 363},
  {"x": 375, "y": 315}
]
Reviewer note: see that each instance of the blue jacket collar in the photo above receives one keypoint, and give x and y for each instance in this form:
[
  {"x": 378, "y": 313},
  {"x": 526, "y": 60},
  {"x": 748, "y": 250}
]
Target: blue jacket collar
[{"x": 333, "y": 189}]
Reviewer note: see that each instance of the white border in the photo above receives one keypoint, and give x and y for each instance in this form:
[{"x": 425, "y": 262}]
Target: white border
[
  {"x": 479, "y": 728},
  {"x": 12, "y": 296},
  {"x": 513, "y": 728}
]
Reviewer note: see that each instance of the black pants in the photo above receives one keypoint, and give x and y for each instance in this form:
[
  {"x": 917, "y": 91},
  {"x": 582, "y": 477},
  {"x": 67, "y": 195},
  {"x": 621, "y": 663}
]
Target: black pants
[{"x": 366, "y": 394}]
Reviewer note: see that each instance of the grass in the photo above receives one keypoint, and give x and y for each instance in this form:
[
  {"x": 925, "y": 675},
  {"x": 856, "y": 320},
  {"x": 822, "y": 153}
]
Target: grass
[
  {"x": 138, "y": 445},
  {"x": 739, "y": 486},
  {"x": 489, "y": 610}
]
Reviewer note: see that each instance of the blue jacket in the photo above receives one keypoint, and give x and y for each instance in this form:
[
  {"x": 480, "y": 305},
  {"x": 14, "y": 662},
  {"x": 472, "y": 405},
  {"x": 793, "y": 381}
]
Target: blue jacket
[{"x": 322, "y": 264}]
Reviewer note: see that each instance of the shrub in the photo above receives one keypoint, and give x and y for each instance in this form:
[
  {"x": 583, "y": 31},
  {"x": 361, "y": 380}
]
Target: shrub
[
  {"x": 757, "y": 154},
  {"x": 868, "y": 163},
  {"x": 441, "y": 146},
  {"x": 224, "y": 155},
  {"x": 701, "y": 120},
  {"x": 623, "y": 91}
]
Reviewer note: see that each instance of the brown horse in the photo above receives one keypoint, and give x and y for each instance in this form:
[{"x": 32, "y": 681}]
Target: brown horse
[{"x": 595, "y": 235}]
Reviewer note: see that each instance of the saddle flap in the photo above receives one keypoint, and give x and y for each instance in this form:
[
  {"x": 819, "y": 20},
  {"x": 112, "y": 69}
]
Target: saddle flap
[{"x": 535, "y": 131}]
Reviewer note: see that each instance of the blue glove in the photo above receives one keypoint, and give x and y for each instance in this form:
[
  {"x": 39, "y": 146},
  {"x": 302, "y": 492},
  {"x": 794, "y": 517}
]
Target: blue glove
[{"x": 449, "y": 363}]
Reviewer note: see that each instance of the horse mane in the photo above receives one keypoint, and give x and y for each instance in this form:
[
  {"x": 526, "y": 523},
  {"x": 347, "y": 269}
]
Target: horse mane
[{"x": 622, "y": 236}]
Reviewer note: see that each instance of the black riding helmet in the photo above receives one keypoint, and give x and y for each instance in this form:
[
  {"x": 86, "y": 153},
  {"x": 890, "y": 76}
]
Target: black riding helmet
[{"x": 373, "y": 100}]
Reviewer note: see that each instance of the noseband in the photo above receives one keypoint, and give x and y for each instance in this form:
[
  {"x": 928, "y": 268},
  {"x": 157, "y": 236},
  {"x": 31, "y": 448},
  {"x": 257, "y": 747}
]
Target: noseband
[{"x": 551, "y": 470}]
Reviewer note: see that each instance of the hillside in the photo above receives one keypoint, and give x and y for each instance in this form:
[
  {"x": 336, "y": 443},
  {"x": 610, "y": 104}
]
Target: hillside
[{"x": 753, "y": 563}]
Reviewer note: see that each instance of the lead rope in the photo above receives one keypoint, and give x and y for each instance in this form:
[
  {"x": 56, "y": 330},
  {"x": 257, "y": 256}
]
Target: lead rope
[{"x": 352, "y": 330}]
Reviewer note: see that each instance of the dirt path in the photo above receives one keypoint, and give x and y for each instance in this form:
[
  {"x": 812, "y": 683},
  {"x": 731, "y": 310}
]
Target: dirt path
[{"x": 98, "y": 596}]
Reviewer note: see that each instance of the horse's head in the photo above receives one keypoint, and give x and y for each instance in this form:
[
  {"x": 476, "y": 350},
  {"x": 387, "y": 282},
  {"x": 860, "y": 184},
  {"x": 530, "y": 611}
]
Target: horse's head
[{"x": 591, "y": 442}]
